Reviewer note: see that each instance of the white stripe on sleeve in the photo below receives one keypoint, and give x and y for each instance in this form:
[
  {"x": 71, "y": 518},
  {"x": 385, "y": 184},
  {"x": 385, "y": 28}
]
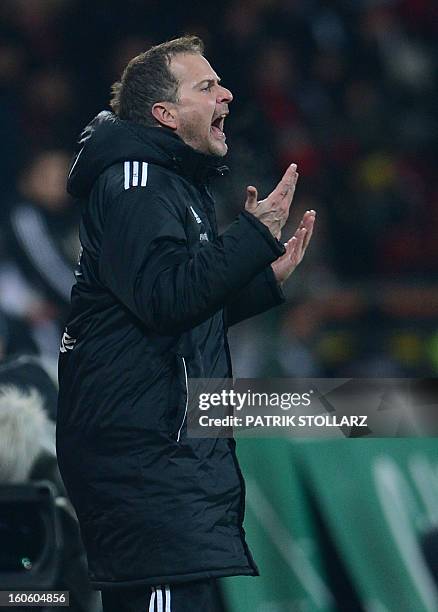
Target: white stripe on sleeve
[
  {"x": 127, "y": 175},
  {"x": 144, "y": 174},
  {"x": 168, "y": 599},
  {"x": 134, "y": 174},
  {"x": 159, "y": 600},
  {"x": 152, "y": 601}
]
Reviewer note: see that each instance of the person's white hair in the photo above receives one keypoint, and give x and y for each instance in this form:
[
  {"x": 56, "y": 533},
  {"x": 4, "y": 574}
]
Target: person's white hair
[{"x": 24, "y": 428}]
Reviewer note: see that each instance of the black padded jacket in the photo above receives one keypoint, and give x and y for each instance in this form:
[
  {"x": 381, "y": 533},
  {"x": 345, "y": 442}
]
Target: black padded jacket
[{"x": 156, "y": 288}]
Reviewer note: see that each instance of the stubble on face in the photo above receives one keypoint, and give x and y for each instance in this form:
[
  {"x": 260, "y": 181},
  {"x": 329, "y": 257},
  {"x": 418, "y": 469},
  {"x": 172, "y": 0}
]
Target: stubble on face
[
  {"x": 190, "y": 131},
  {"x": 195, "y": 108}
]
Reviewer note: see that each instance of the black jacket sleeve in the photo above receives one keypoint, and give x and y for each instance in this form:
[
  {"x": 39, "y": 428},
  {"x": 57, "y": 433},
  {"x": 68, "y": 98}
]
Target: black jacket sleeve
[
  {"x": 145, "y": 261},
  {"x": 261, "y": 294}
]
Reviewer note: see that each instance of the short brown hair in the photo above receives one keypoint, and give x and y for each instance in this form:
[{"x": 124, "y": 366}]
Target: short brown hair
[{"x": 147, "y": 79}]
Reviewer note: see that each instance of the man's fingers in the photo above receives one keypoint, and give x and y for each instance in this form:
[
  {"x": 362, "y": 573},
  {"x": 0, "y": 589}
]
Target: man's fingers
[
  {"x": 290, "y": 246},
  {"x": 299, "y": 246},
  {"x": 289, "y": 176},
  {"x": 281, "y": 197},
  {"x": 294, "y": 245},
  {"x": 251, "y": 198},
  {"x": 307, "y": 217},
  {"x": 287, "y": 183},
  {"x": 295, "y": 248},
  {"x": 302, "y": 236},
  {"x": 308, "y": 221},
  {"x": 308, "y": 236}
]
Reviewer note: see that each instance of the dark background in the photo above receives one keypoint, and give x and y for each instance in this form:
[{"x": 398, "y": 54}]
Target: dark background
[{"x": 347, "y": 90}]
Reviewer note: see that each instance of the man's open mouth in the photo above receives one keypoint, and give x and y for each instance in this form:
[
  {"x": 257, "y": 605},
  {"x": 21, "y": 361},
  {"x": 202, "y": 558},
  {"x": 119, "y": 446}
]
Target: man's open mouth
[{"x": 217, "y": 126}]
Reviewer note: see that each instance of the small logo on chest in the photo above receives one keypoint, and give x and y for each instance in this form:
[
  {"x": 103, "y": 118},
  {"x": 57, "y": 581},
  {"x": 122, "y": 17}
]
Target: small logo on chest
[
  {"x": 195, "y": 214},
  {"x": 202, "y": 235}
]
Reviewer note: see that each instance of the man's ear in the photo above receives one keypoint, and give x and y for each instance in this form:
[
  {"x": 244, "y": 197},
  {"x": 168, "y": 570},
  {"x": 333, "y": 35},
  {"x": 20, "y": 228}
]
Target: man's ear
[{"x": 164, "y": 114}]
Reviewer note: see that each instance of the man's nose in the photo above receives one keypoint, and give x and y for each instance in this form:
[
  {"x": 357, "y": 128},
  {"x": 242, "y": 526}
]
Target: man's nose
[{"x": 225, "y": 95}]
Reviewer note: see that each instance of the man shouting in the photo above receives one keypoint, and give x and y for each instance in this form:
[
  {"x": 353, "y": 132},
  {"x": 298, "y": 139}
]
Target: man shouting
[{"x": 156, "y": 289}]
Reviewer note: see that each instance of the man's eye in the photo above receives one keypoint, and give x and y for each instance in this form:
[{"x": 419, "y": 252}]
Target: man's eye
[{"x": 207, "y": 87}]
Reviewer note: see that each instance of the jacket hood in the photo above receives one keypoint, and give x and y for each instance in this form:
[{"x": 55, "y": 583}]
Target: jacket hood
[{"x": 108, "y": 140}]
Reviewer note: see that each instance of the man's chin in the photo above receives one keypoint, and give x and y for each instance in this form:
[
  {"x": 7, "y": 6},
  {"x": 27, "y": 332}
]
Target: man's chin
[
  {"x": 212, "y": 146},
  {"x": 219, "y": 149}
]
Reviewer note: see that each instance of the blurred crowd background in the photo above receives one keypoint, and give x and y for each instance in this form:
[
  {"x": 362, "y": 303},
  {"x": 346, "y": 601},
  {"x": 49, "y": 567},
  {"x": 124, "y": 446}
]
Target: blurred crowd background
[{"x": 347, "y": 90}]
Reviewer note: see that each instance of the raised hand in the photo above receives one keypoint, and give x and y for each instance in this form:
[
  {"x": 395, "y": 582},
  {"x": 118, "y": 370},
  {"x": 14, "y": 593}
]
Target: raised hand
[
  {"x": 295, "y": 248},
  {"x": 273, "y": 211}
]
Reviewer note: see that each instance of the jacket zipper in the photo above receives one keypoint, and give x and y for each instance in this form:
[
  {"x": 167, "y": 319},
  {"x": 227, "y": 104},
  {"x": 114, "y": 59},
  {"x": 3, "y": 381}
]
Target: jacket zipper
[{"x": 187, "y": 400}]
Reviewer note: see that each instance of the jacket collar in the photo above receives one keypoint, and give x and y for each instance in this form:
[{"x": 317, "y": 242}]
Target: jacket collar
[{"x": 179, "y": 156}]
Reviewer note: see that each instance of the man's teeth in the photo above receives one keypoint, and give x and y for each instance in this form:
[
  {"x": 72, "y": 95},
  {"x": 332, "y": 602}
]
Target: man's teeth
[{"x": 219, "y": 121}]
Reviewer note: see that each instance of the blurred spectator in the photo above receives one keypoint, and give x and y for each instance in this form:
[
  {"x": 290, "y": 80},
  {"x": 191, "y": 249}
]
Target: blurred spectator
[
  {"x": 347, "y": 90},
  {"x": 49, "y": 109},
  {"x": 41, "y": 248}
]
